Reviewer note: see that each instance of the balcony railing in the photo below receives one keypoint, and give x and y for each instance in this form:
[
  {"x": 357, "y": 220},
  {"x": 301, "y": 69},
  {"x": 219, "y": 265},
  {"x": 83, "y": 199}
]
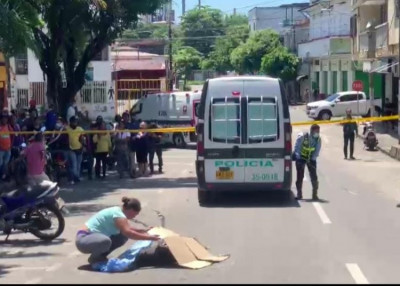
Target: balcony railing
[{"x": 382, "y": 36}]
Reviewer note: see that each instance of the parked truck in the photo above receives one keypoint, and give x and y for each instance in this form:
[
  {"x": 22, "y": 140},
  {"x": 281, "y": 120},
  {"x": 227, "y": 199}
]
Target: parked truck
[
  {"x": 336, "y": 105},
  {"x": 175, "y": 109}
]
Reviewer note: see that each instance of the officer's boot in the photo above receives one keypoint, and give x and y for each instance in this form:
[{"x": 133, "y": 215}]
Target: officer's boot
[
  {"x": 315, "y": 190},
  {"x": 299, "y": 187}
]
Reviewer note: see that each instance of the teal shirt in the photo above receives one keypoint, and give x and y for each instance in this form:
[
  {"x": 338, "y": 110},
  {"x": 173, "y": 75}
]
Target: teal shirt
[{"x": 103, "y": 222}]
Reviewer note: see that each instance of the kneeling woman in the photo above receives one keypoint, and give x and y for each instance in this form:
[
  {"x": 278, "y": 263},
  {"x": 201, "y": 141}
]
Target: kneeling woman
[{"x": 109, "y": 229}]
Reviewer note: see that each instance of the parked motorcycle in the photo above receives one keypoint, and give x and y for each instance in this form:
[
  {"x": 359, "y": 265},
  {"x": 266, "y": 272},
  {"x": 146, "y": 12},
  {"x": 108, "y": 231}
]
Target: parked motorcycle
[
  {"x": 370, "y": 139},
  {"x": 35, "y": 209}
]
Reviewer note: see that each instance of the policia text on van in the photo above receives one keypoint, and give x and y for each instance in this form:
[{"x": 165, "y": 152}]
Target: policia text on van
[{"x": 244, "y": 136}]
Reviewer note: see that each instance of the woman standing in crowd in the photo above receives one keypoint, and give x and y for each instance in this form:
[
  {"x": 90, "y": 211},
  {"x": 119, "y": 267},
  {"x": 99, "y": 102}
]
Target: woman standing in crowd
[
  {"x": 103, "y": 148},
  {"x": 121, "y": 140},
  {"x": 141, "y": 149}
]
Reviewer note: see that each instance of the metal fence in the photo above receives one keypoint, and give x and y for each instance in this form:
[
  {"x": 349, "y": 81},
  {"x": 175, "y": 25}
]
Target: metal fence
[{"x": 94, "y": 92}]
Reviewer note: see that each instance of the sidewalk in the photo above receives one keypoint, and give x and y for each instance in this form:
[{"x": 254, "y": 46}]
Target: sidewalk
[{"x": 388, "y": 140}]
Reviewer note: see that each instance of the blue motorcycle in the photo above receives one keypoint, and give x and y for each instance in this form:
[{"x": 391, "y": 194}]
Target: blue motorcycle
[{"x": 36, "y": 209}]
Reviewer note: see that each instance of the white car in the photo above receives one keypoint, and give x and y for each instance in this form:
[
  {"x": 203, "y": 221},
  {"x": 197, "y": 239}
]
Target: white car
[{"x": 336, "y": 105}]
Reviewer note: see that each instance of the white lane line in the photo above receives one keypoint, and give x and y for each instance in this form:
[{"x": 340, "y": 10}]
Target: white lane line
[
  {"x": 305, "y": 179},
  {"x": 34, "y": 281},
  {"x": 54, "y": 267},
  {"x": 325, "y": 219},
  {"x": 356, "y": 273},
  {"x": 325, "y": 139}
]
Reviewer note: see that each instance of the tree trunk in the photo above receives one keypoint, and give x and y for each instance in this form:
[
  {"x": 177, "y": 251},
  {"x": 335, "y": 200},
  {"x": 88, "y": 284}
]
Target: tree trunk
[{"x": 8, "y": 85}]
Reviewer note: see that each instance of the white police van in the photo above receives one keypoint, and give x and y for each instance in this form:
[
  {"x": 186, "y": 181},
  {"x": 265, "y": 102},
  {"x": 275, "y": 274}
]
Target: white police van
[{"x": 244, "y": 138}]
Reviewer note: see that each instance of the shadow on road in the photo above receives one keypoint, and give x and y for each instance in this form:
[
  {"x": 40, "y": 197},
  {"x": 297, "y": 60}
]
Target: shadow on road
[
  {"x": 272, "y": 199},
  {"x": 30, "y": 242},
  {"x": 22, "y": 254},
  {"x": 4, "y": 269},
  {"x": 82, "y": 209},
  {"x": 91, "y": 190},
  {"x": 322, "y": 201}
]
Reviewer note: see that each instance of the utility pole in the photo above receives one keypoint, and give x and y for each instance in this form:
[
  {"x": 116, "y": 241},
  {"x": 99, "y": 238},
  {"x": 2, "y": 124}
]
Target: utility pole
[
  {"x": 183, "y": 7},
  {"x": 199, "y": 4},
  {"x": 170, "y": 68}
]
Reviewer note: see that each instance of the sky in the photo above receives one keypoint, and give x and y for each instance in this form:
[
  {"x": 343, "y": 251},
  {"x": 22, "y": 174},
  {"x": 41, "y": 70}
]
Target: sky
[{"x": 227, "y": 6}]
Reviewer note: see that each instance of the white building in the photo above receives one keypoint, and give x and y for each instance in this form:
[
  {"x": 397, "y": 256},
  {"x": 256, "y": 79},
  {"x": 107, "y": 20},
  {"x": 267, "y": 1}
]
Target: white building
[
  {"x": 28, "y": 82},
  {"x": 275, "y": 18},
  {"x": 328, "y": 51}
]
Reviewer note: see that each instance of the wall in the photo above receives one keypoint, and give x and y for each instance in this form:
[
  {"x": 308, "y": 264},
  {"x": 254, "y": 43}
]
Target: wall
[
  {"x": 393, "y": 23},
  {"x": 316, "y": 48},
  {"x": 35, "y": 73},
  {"x": 330, "y": 23},
  {"x": 272, "y": 17}
]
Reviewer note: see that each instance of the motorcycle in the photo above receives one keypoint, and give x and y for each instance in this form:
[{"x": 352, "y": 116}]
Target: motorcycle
[
  {"x": 370, "y": 139},
  {"x": 32, "y": 209}
]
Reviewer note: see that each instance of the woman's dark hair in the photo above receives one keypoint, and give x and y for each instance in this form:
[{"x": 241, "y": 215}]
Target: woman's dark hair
[{"x": 131, "y": 204}]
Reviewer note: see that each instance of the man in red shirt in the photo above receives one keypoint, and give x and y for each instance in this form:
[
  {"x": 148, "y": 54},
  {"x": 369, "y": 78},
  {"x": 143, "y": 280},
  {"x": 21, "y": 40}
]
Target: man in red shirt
[{"x": 5, "y": 144}]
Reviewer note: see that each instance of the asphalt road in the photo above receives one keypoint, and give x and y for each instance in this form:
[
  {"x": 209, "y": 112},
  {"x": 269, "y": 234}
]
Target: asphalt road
[{"x": 352, "y": 236}]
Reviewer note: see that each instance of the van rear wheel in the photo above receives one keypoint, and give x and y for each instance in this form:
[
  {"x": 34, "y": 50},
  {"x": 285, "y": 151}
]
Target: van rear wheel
[
  {"x": 178, "y": 140},
  {"x": 204, "y": 197}
]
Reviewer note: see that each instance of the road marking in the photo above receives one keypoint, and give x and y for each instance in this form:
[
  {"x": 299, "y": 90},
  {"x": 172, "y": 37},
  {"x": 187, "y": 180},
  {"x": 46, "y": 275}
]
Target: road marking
[
  {"x": 54, "y": 267},
  {"x": 325, "y": 139},
  {"x": 321, "y": 213},
  {"x": 34, "y": 281},
  {"x": 305, "y": 179},
  {"x": 356, "y": 273}
]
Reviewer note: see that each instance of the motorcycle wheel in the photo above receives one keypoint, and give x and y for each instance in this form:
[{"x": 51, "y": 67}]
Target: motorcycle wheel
[{"x": 43, "y": 220}]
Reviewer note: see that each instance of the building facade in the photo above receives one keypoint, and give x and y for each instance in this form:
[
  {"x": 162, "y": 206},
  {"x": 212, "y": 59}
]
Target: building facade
[
  {"x": 275, "y": 18},
  {"x": 327, "y": 56},
  {"x": 376, "y": 48}
]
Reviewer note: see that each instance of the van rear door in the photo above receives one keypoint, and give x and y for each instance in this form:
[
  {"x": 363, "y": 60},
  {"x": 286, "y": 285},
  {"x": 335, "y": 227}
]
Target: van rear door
[
  {"x": 264, "y": 139},
  {"x": 224, "y": 157}
]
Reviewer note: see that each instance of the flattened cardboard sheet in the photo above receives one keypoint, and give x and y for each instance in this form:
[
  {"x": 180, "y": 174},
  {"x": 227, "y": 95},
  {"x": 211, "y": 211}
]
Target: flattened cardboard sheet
[
  {"x": 201, "y": 252},
  {"x": 183, "y": 255}
]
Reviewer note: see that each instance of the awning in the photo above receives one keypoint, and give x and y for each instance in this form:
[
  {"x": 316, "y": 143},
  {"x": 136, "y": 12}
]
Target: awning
[{"x": 301, "y": 77}]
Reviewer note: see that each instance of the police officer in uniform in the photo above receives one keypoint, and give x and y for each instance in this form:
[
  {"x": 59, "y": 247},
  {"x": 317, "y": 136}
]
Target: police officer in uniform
[{"x": 306, "y": 152}]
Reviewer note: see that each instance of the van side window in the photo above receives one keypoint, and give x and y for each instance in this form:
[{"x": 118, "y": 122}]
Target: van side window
[
  {"x": 262, "y": 119},
  {"x": 225, "y": 120}
]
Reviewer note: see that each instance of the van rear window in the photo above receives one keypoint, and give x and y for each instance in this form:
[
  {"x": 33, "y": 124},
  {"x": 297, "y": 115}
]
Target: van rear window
[
  {"x": 262, "y": 119},
  {"x": 225, "y": 120}
]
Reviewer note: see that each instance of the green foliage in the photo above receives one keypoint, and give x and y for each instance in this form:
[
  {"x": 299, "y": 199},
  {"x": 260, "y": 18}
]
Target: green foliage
[
  {"x": 219, "y": 58},
  {"x": 200, "y": 28},
  {"x": 236, "y": 20},
  {"x": 247, "y": 57},
  {"x": 186, "y": 60},
  {"x": 16, "y": 21},
  {"x": 76, "y": 32},
  {"x": 280, "y": 63}
]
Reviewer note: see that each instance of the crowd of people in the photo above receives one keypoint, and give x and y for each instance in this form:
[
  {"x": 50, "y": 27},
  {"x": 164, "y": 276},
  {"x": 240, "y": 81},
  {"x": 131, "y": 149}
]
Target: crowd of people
[{"x": 133, "y": 152}]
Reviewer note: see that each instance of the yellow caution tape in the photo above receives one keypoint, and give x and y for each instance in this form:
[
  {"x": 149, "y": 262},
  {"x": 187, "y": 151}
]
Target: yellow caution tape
[{"x": 193, "y": 129}]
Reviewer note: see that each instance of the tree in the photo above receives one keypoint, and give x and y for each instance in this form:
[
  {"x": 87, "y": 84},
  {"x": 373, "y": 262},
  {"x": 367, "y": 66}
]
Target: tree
[
  {"x": 200, "y": 28},
  {"x": 247, "y": 57},
  {"x": 15, "y": 19},
  {"x": 76, "y": 32},
  {"x": 236, "y": 20},
  {"x": 280, "y": 63},
  {"x": 187, "y": 59},
  {"x": 219, "y": 58}
]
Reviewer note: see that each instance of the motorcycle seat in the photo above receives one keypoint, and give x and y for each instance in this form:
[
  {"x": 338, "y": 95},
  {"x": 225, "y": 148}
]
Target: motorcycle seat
[{"x": 29, "y": 191}]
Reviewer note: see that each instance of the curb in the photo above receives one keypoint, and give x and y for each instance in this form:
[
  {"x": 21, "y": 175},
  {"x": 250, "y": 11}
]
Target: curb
[{"x": 381, "y": 150}]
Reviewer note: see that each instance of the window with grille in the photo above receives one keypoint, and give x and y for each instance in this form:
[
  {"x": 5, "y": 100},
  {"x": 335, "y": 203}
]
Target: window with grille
[
  {"x": 262, "y": 119},
  {"x": 226, "y": 120},
  {"x": 21, "y": 64}
]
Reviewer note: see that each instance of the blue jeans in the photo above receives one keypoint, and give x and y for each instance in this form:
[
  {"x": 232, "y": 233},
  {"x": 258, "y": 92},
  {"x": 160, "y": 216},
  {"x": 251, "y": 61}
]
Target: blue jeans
[
  {"x": 75, "y": 162},
  {"x": 4, "y": 159}
]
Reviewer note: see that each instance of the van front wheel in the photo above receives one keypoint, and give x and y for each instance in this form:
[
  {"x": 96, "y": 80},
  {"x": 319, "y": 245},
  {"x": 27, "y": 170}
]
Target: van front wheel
[{"x": 204, "y": 197}]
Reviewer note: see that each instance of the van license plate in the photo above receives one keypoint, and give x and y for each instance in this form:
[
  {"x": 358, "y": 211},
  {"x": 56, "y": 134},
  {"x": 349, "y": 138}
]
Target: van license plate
[{"x": 224, "y": 175}]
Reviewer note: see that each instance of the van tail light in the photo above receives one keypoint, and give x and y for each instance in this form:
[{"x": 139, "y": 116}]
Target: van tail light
[
  {"x": 200, "y": 148},
  {"x": 200, "y": 140},
  {"x": 288, "y": 138},
  {"x": 287, "y": 165}
]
